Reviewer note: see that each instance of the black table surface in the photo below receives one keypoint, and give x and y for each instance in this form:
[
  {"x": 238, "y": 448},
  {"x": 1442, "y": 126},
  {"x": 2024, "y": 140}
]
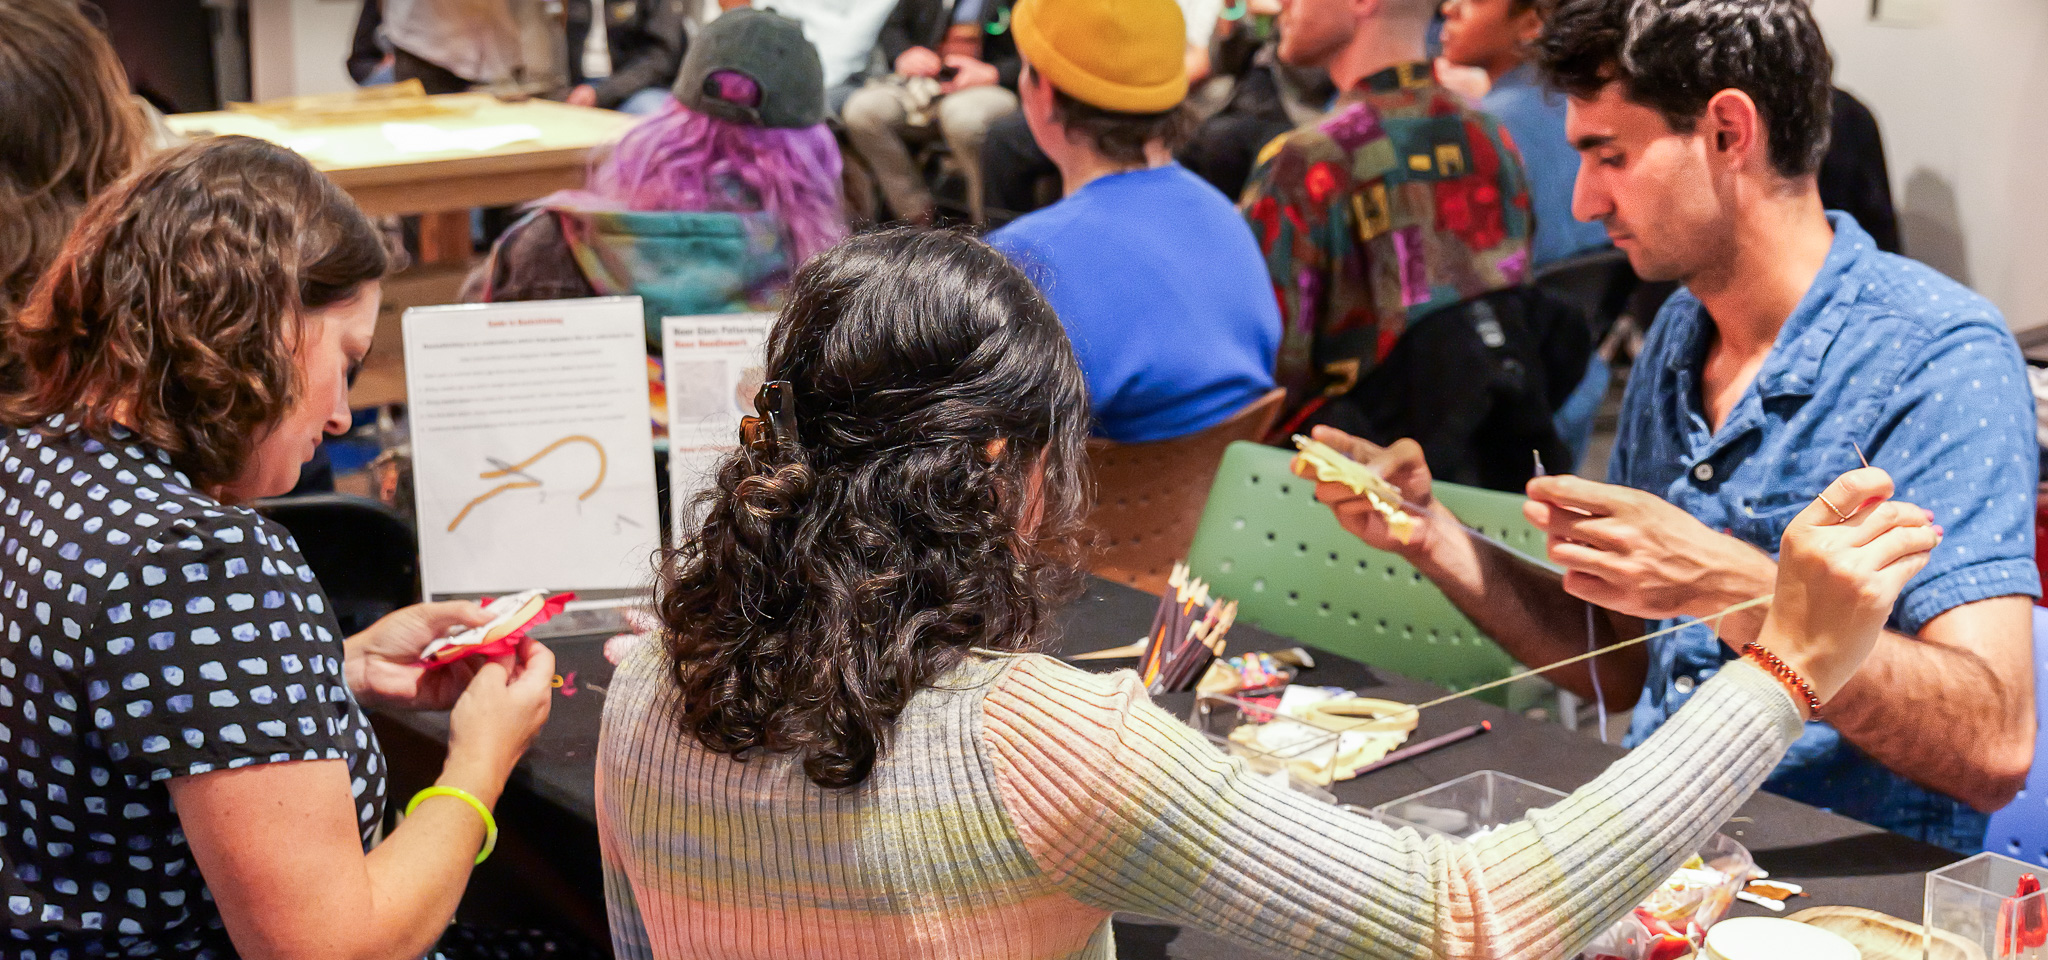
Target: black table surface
[{"x": 1837, "y": 860}]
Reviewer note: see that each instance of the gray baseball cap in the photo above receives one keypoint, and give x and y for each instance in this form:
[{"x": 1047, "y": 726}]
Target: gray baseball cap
[{"x": 767, "y": 49}]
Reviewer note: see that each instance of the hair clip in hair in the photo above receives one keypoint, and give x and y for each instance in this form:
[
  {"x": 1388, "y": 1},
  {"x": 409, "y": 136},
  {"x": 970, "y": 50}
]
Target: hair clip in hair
[{"x": 774, "y": 421}]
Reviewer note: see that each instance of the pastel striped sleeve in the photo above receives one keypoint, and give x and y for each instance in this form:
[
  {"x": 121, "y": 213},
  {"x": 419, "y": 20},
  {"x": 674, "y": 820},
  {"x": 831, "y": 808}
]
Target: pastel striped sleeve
[
  {"x": 622, "y": 914},
  {"x": 1127, "y": 808},
  {"x": 632, "y": 708}
]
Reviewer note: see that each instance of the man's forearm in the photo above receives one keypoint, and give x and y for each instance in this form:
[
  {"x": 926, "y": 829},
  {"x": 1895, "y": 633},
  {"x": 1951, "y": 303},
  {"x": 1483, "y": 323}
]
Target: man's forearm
[
  {"x": 1524, "y": 608},
  {"x": 1943, "y": 716}
]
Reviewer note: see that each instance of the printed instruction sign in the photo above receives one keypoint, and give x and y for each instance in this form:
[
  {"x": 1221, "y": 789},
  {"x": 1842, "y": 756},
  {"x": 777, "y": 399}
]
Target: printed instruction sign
[
  {"x": 713, "y": 366},
  {"x": 533, "y": 458}
]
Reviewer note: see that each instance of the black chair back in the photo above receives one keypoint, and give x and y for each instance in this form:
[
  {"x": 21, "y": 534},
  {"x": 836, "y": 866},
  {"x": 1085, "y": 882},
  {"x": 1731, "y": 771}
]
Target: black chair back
[
  {"x": 1596, "y": 283},
  {"x": 364, "y": 552}
]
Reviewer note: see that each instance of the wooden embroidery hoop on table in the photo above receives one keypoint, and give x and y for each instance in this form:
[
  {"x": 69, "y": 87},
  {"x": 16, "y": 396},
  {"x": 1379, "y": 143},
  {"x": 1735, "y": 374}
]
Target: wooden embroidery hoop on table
[{"x": 1363, "y": 715}]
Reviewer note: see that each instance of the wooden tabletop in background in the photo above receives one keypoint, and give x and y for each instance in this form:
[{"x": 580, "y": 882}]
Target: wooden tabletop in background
[{"x": 386, "y": 180}]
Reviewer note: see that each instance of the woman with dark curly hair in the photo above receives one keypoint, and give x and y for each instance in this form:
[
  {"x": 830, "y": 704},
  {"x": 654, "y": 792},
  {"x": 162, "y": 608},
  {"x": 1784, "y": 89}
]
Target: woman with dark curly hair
[
  {"x": 843, "y": 746},
  {"x": 190, "y": 770}
]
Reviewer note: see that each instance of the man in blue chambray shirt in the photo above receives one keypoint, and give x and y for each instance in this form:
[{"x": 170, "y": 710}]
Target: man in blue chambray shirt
[{"x": 1794, "y": 343}]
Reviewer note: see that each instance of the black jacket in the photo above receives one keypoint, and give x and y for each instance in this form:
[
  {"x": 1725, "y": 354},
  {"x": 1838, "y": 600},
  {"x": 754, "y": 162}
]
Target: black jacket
[
  {"x": 1853, "y": 175},
  {"x": 646, "y": 40},
  {"x": 1476, "y": 384},
  {"x": 923, "y": 23},
  {"x": 364, "y": 52}
]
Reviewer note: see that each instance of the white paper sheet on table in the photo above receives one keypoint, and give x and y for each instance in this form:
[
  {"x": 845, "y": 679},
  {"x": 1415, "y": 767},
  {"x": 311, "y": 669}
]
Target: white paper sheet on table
[
  {"x": 713, "y": 366},
  {"x": 426, "y": 138},
  {"x": 533, "y": 460}
]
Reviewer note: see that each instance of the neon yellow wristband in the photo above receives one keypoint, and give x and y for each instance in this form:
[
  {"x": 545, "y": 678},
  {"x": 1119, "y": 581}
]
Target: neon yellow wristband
[{"x": 490, "y": 822}]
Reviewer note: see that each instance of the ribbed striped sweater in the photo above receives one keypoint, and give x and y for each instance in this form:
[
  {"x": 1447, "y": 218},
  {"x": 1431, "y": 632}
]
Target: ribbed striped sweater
[{"x": 1023, "y": 801}]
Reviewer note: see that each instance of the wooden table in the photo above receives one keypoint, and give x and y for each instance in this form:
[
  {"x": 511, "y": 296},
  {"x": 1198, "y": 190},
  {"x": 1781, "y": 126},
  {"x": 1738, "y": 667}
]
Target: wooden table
[
  {"x": 546, "y": 868},
  {"x": 383, "y": 179},
  {"x": 443, "y": 186}
]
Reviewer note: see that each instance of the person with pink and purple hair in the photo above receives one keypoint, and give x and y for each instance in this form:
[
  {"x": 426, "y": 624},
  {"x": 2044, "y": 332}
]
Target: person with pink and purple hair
[{"x": 706, "y": 207}]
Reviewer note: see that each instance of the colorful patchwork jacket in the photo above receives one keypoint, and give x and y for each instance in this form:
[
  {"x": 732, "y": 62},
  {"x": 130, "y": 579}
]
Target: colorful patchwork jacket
[{"x": 1400, "y": 202}]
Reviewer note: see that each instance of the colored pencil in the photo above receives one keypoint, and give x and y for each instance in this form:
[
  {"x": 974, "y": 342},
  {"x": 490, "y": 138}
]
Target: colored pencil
[{"x": 1416, "y": 750}]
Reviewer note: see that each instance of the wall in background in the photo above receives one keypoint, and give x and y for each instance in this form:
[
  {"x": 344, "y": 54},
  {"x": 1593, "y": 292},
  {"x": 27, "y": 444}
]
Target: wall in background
[
  {"x": 1962, "y": 99},
  {"x": 298, "y": 46}
]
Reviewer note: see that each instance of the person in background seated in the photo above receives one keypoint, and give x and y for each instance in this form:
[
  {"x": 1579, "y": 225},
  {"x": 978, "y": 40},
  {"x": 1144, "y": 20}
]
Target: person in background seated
[
  {"x": 1794, "y": 350},
  {"x": 452, "y": 45},
  {"x": 844, "y": 743},
  {"x": 624, "y": 56},
  {"x": 1152, "y": 272},
  {"x": 1497, "y": 36},
  {"x": 704, "y": 208},
  {"x": 844, "y": 33},
  {"x": 68, "y": 130},
  {"x": 1268, "y": 100},
  {"x": 1400, "y": 202},
  {"x": 370, "y": 60},
  {"x": 186, "y": 725},
  {"x": 1014, "y": 167},
  {"x": 956, "y": 69}
]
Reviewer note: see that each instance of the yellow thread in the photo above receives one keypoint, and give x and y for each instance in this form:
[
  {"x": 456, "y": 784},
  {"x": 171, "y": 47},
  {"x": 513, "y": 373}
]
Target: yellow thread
[
  {"x": 1524, "y": 675},
  {"x": 603, "y": 465},
  {"x": 492, "y": 492},
  {"x": 602, "y": 462}
]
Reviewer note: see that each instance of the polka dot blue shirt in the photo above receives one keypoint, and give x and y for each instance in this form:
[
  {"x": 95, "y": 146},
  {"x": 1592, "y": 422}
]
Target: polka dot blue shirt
[
  {"x": 1882, "y": 353},
  {"x": 147, "y": 631}
]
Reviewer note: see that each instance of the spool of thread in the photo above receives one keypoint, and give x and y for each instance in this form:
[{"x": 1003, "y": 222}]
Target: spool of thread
[{"x": 1772, "y": 938}]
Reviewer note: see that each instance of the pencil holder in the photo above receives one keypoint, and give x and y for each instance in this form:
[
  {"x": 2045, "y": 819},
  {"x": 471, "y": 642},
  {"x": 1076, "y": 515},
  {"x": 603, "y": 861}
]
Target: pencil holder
[{"x": 1186, "y": 636}]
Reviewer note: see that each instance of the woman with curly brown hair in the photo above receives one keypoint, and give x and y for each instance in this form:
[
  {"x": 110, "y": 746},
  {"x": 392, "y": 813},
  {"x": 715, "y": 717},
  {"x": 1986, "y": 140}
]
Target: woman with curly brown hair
[
  {"x": 184, "y": 722},
  {"x": 845, "y": 748},
  {"x": 68, "y": 129}
]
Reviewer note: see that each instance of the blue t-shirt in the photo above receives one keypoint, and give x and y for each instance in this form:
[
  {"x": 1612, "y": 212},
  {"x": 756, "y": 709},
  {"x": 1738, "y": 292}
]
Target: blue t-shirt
[
  {"x": 1920, "y": 372},
  {"x": 1162, "y": 289},
  {"x": 1534, "y": 116}
]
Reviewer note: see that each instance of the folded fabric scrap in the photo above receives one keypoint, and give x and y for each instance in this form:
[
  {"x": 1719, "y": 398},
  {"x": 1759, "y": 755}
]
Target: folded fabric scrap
[
  {"x": 511, "y": 617},
  {"x": 1321, "y": 735}
]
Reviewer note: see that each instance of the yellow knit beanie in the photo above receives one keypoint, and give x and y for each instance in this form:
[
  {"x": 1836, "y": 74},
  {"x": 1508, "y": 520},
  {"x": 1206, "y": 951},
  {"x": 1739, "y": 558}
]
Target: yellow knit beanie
[{"x": 1122, "y": 55}]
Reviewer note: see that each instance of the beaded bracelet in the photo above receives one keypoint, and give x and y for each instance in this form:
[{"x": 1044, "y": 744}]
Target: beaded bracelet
[
  {"x": 490, "y": 822},
  {"x": 1778, "y": 668}
]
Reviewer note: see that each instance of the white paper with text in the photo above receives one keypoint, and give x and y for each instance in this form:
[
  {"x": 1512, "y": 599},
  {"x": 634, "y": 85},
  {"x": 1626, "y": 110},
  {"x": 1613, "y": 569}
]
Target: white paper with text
[
  {"x": 533, "y": 460},
  {"x": 713, "y": 366}
]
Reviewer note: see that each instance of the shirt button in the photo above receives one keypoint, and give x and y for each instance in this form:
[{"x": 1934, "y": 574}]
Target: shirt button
[
  {"x": 1682, "y": 684},
  {"x": 1703, "y": 472}
]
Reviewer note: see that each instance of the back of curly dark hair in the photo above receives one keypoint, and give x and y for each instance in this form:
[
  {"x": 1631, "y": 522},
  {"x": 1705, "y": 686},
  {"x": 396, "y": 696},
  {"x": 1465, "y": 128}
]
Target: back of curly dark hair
[
  {"x": 932, "y": 505},
  {"x": 175, "y": 304}
]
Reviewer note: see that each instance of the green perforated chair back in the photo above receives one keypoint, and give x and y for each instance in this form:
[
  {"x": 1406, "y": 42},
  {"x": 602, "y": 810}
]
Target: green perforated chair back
[{"x": 1265, "y": 542}]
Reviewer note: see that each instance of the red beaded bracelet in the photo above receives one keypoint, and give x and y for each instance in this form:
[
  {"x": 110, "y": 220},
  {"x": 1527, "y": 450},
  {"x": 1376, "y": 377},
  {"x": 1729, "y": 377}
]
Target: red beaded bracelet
[{"x": 1778, "y": 668}]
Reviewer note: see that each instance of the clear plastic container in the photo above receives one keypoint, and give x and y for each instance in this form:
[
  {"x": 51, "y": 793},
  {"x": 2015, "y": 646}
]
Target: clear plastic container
[
  {"x": 1300, "y": 756},
  {"x": 1684, "y": 907},
  {"x": 1976, "y": 902},
  {"x": 1468, "y": 806}
]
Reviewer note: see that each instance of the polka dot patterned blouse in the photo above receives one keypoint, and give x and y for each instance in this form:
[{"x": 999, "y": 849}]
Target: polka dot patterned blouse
[{"x": 147, "y": 631}]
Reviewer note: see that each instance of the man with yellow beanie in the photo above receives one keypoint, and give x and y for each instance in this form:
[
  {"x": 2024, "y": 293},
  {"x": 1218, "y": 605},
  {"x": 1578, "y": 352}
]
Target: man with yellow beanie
[
  {"x": 1155, "y": 276},
  {"x": 1398, "y": 203}
]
